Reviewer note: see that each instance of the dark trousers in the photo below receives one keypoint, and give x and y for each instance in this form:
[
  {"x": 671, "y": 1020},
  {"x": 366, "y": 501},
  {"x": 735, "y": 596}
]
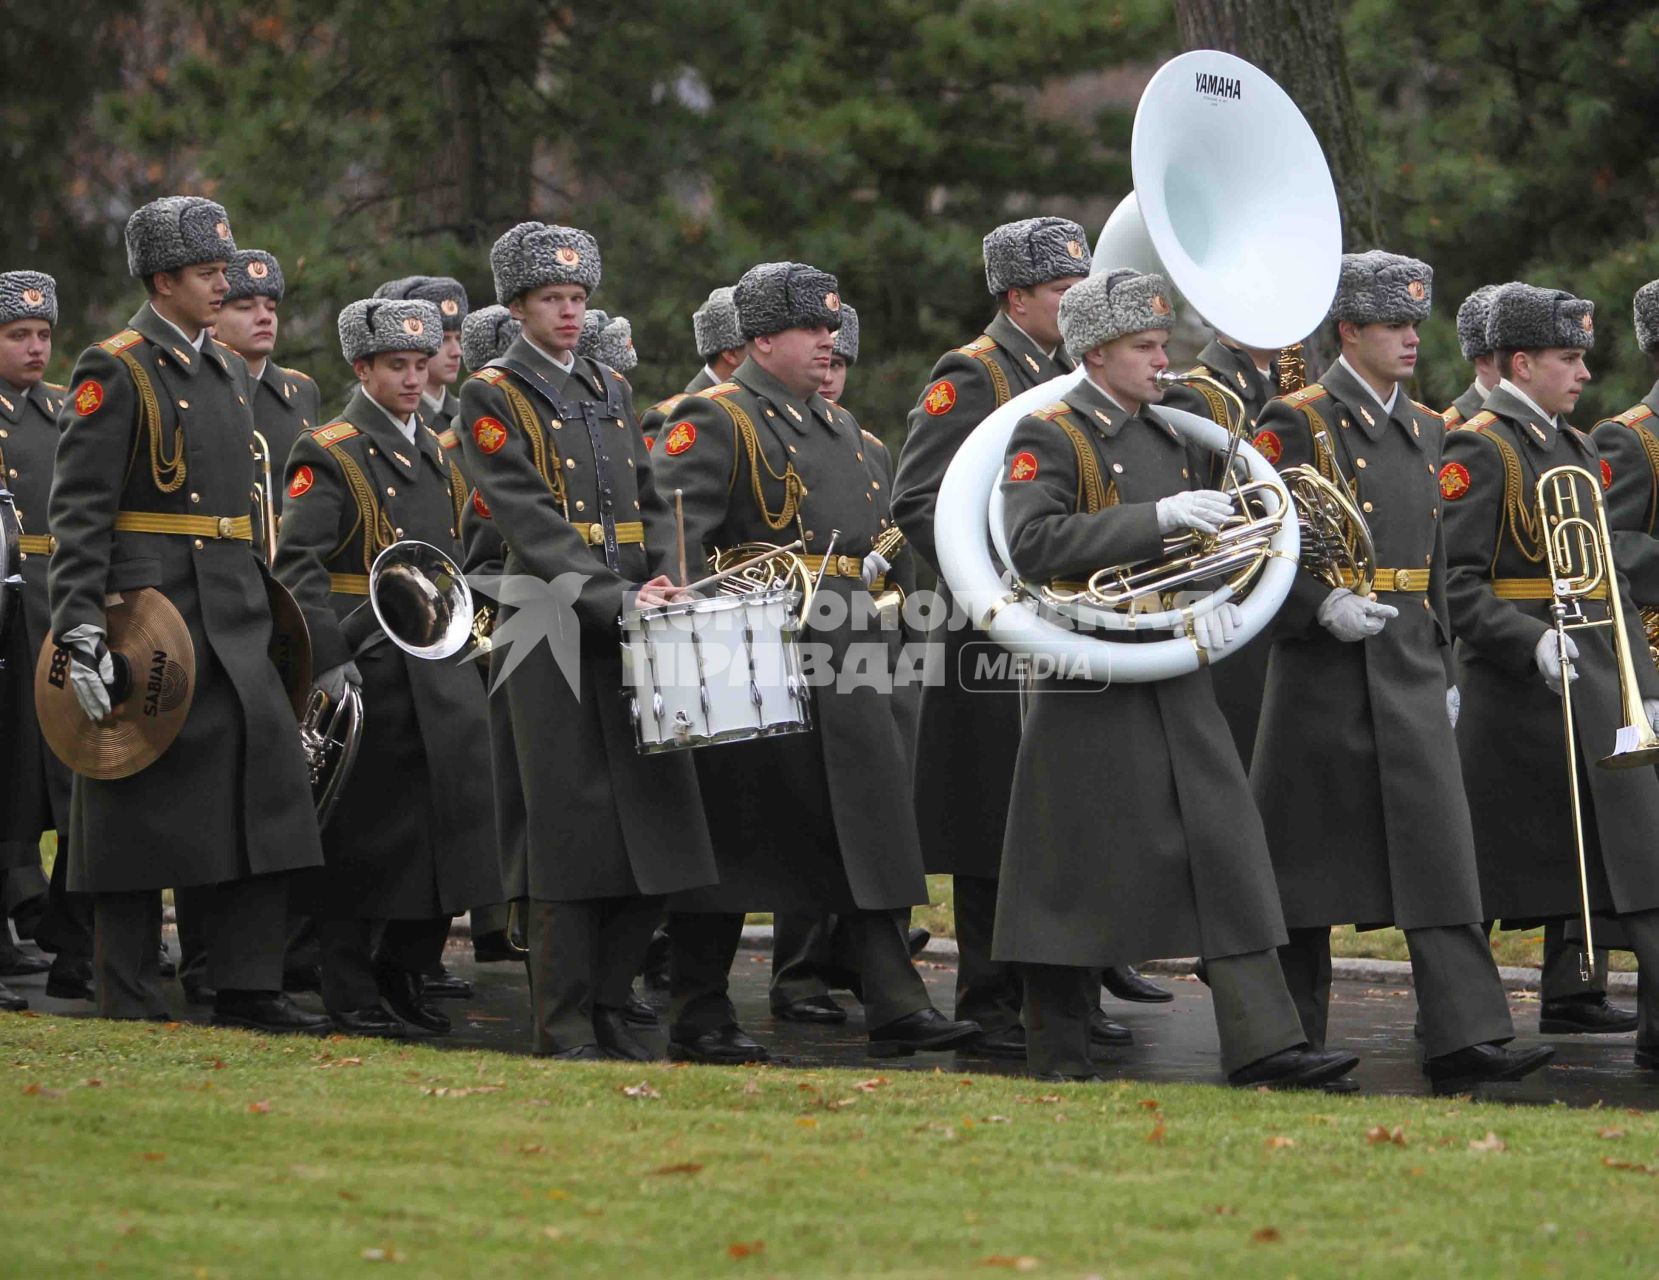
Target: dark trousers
[
  {"x": 706, "y": 944},
  {"x": 803, "y": 951},
  {"x": 242, "y": 931},
  {"x": 1560, "y": 979},
  {"x": 1460, "y": 997},
  {"x": 1255, "y": 1016},
  {"x": 65, "y": 926},
  {"x": 490, "y": 919},
  {"x": 583, "y": 954},
  {"x": 988, "y": 991},
  {"x": 349, "y": 956},
  {"x": 1641, "y": 929}
]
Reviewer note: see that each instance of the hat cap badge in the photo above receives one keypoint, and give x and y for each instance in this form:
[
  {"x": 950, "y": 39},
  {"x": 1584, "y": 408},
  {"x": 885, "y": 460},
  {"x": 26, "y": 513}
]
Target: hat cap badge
[
  {"x": 1160, "y": 305},
  {"x": 258, "y": 270},
  {"x": 412, "y": 325},
  {"x": 567, "y": 256},
  {"x": 1585, "y": 322},
  {"x": 33, "y": 297},
  {"x": 449, "y": 307},
  {"x": 1074, "y": 249},
  {"x": 832, "y": 301},
  {"x": 1418, "y": 290},
  {"x": 222, "y": 230}
]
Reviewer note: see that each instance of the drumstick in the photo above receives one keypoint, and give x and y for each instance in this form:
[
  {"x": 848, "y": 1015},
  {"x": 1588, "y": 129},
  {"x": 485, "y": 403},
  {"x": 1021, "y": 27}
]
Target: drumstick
[
  {"x": 739, "y": 568},
  {"x": 679, "y": 530}
]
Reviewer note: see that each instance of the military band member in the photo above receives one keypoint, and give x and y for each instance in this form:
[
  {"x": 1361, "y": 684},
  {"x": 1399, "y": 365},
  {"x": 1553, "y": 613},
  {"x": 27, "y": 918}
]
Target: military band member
[
  {"x": 34, "y": 784},
  {"x": 714, "y": 329},
  {"x": 438, "y": 403},
  {"x": 969, "y": 728},
  {"x": 1357, "y": 778},
  {"x": 820, "y": 820},
  {"x": 410, "y": 841},
  {"x": 555, "y": 451},
  {"x": 1131, "y": 831},
  {"x": 1510, "y": 733},
  {"x": 1471, "y": 341},
  {"x": 151, "y": 489}
]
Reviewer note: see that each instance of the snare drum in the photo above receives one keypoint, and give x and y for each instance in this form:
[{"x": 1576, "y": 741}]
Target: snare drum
[{"x": 726, "y": 669}]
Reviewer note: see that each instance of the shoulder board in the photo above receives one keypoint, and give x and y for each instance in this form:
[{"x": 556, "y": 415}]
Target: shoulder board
[
  {"x": 1307, "y": 395},
  {"x": 978, "y": 347},
  {"x": 448, "y": 439},
  {"x": 719, "y": 389},
  {"x": 871, "y": 436},
  {"x": 225, "y": 350},
  {"x": 666, "y": 407},
  {"x": 53, "y": 386},
  {"x": 122, "y": 341},
  {"x": 1630, "y": 417},
  {"x": 333, "y": 434},
  {"x": 297, "y": 373},
  {"x": 1049, "y": 412},
  {"x": 1479, "y": 422},
  {"x": 491, "y": 377},
  {"x": 1451, "y": 417},
  {"x": 1423, "y": 408},
  {"x": 613, "y": 373}
]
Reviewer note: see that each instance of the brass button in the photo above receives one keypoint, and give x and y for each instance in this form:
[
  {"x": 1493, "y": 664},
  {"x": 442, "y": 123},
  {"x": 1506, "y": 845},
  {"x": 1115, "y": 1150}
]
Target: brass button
[
  {"x": 555, "y": 424},
  {"x": 1370, "y": 595},
  {"x": 793, "y": 449},
  {"x": 3, "y": 433},
  {"x": 630, "y": 462},
  {"x": 861, "y": 457},
  {"x": 372, "y": 453},
  {"x": 570, "y": 464},
  {"x": 1427, "y": 608},
  {"x": 391, "y": 492},
  {"x": 580, "y": 505},
  {"x": 636, "y": 504},
  {"x": 305, "y": 422},
  {"x": 452, "y": 531},
  {"x": 398, "y": 532},
  {"x": 809, "y": 535},
  {"x": 1360, "y": 463},
  {"x": 1428, "y": 559},
  {"x": 195, "y": 497},
  {"x": 1365, "y": 507},
  {"x": 868, "y": 498},
  {"x": 884, "y": 522},
  {"x": 240, "y": 400},
  {"x": 184, "y": 404},
  {"x": 198, "y": 544},
  {"x": 12, "y": 473},
  {"x": 1118, "y": 468},
  {"x": 1184, "y": 475},
  {"x": 875, "y": 484}
]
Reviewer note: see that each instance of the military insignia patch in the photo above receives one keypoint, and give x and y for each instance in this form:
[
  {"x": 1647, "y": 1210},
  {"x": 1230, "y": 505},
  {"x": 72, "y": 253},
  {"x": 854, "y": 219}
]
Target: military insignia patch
[
  {"x": 301, "y": 483},
  {"x": 448, "y": 439},
  {"x": 489, "y": 435},
  {"x": 1023, "y": 467},
  {"x": 1268, "y": 445},
  {"x": 479, "y": 505},
  {"x": 89, "y": 396},
  {"x": 1454, "y": 481},
  {"x": 940, "y": 399},
  {"x": 680, "y": 438},
  {"x": 1606, "y": 475}
]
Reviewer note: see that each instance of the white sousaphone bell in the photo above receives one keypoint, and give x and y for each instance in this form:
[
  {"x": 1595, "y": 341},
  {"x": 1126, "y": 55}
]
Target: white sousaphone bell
[{"x": 1258, "y": 257}]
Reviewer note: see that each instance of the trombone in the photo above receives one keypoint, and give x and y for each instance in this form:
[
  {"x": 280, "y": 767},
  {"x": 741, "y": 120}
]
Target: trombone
[{"x": 1578, "y": 550}]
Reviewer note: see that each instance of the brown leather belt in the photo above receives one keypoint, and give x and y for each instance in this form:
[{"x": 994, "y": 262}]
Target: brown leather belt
[{"x": 239, "y": 528}]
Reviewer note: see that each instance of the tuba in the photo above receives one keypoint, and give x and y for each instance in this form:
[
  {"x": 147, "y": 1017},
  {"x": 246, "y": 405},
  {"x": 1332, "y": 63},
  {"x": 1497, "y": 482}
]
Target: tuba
[{"x": 1210, "y": 133}]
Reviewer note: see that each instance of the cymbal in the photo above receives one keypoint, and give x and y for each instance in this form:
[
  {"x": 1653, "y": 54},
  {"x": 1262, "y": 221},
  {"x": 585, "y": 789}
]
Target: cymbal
[
  {"x": 290, "y": 646},
  {"x": 155, "y": 681}
]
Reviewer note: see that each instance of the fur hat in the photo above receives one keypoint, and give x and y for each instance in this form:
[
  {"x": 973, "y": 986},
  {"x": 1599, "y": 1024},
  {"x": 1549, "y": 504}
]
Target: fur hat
[
  {"x": 1471, "y": 321},
  {"x": 253, "y": 273},
  {"x": 1647, "y": 316},
  {"x": 775, "y": 296},
  {"x": 1112, "y": 305},
  {"x": 1034, "y": 251},
  {"x": 846, "y": 337},
  {"x": 373, "y": 325},
  {"x": 177, "y": 231},
  {"x": 28, "y": 295},
  {"x": 608, "y": 340},
  {"x": 534, "y": 254},
  {"x": 1377, "y": 287},
  {"x": 1526, "y": 318},
  {"x": 714, "y": 324},
  {"x": 486, "y": 333},
  {"x": 445, "y": 291}
]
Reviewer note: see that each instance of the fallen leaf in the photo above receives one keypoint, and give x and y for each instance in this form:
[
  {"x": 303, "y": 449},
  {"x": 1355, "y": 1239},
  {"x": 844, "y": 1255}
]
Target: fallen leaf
[
  {"x": 259, "y": 1108},
  {"x": 1266, "y": 1235},
  {"x": 552, "y": 1233},
  {"x": 1023, "y": 1262},
  {"x": 1610, "y": 1133},
  {"x": 872, "y": 1084},
  {"x": 1630, "y": 1166},
  {"x": 806, "y": 1088},
  {"x": 387, "y": 1254},
  {"x": 1149, "y": 1104},
  {"x": 1278, "y": 1142},
  {"x": 1491, "y": 1142},
  {"x": 685, "y": 1166},
  {"x": 806, "y": 1122},
  {"x": 557, "y": 1193},
  {"x": 1380, "y": 1134},
  {"x": 1048, "y": 1097},
  {"x": 349, "y": 1195},
  {"x": 1223, "y": 1210},
  {"x": 746, "y": 1249},
  {"x": 155, "y": 1157},
  {"x": 964, "y": 1083},
  {"x": 218, "y": 1064},
  {"x": 41, "y": 1091},
  {"x": 1157, "y": 1134},
  {"x": 340, "y": 1062},
  {"x": 998, "y": 1120},
  {"x": 751, "y": 1087},
  {"x": 641, "y": 1090},
  {"x": 466, "y": 1091},
  {"x": 531, "y": 1149},
  {"x": 93, "y": 1083}
]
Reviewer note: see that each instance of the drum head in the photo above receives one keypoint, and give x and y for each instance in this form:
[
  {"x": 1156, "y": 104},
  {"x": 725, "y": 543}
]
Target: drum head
[{"x": 151, "y": 645}]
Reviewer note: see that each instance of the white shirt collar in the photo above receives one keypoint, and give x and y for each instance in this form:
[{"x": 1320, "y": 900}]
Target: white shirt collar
[
  {"x": 712, "y": 375},
  {"x": 408, "y": 428},
  {"x": 1393, "y": 396},
  {"x": 564, "y": 366},
  {"x": 1047, "y": 351},
  {"x": 1527, "y": 400},
  {"x": 1101, "y": 389},
  {"x": 437, "y": 402},
  {"x": 256, "y": 372},
  {"x": 201, "y": 334}
]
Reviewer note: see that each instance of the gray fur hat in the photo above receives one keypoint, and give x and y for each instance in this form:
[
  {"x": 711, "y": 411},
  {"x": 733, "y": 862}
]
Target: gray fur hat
[
  {"x": 177, "y": 231},
  {"x": 1647, "y": 316},
  {"x": 1471, "y": 322},
  {"x": 534, "y": 254},
  {"x": 370, "y": 326},
  {"x": 775, "y": 296},
  {"x": 1112, "y": 305},
  {"x": 253, "y": 273},
  {"x": 609, "y": 340},
  {"x": 1034, "y": 251},
  {"x": 714, "y": 324},
  {"x": 1377, "y": 287},
  {"x": 28, "y": 295},
  {"x": 1526, "y": 318},
  {"x": 486, "y": 333},
  {"x": 446, "y": 291},
  {"x": 846, "y": 337}
]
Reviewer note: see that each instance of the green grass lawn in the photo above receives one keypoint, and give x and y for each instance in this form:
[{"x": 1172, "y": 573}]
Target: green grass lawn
[{"x": 181, "y": 1151}]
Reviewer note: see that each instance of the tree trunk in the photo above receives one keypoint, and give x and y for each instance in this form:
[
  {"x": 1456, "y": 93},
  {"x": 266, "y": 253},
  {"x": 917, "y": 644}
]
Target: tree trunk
[{"x": 1299, "y": 43}]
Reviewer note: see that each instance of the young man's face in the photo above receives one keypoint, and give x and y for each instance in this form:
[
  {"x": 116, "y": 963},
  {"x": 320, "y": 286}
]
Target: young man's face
[
  {"x": 799, "y": 358},
  {"x": 25, "y": 347},
  {"x": 552, "y": 315},
  {"x": 193, "y": 295},
  {"x": 835, "y": 380},
  {"x": 446, "y": 365},
  {"x": 1554, "y": 378},
  {"x": 1381, "y": 352},
  {"x": 1128, "y": 367},
  {"x": 394, "y": 379},
  {"x": 248, "y": 326},
  {"x": 1037, "y": 309}
]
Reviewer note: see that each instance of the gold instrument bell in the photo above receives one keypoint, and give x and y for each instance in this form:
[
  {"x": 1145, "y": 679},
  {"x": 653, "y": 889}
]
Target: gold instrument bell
[{"x": 155, "y": 681}]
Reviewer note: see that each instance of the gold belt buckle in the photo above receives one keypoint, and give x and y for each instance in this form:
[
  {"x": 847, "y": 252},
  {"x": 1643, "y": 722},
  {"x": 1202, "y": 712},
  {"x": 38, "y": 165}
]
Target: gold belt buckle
[
  {"x": 225, "y": 524},
  {"x": 1402, "y": 579}
]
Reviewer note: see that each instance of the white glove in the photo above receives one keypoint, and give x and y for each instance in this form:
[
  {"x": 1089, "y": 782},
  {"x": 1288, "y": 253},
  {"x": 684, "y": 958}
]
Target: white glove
[
  {"x": 91, "y": 669},
  {"x": 1216, "y": 629},
  {"x": 874, "y": 566},
  {"x": 1549, "y": 661},
  {"x": 1349, "y": 617},
  {"x": 333, "y": 682},
  {"x": 1201, "y": 509},
  {"x": 1454, "y": 704},
  {"x": 1651, "y": 706}
]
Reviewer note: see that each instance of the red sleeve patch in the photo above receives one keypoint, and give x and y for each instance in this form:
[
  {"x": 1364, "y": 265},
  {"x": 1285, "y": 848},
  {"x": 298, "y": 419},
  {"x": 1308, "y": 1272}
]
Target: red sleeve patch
[
  {"x": 1606, "y": 475},
  {"x": 89, "y": 397},
  {"x": 1454, "y": 481},
  {"x": 940, "y": 398},
  {"x": 1269, "y": 446},
  {"x": 302, "y": 482},
  {"x": 1023, "y": 467},
  {"x": 489, "y": 435},
  {"x": 479, "y": 505},
  {"x": 680, "y": 438}
]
